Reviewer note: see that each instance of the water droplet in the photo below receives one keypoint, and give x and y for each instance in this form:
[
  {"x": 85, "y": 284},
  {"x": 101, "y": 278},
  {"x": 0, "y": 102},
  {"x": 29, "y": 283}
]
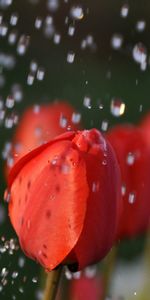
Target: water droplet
[
  {"x": 23, "y": 44},
  {"x": 38, "y": 23},
  {"x": 40, "y": 74},
  {"x": 10, "y": 102},
  {"x": 63, "y": 121},
  {"x": 4, "y": 4},
  {"x": 14, "y": 19},
  {"x": 33, "y": 66},
  {"x": 140, "y": 25},
  {"x": 77, "y": 13},
  {"x": 57, "y": 38},
  {"x": 14, "y": 274},
  {"x": 12, "y": 37},
  {"x": 139, "y": 53},
  {"x": 95, "y": 187},
  {"x": 21, "y": 262},
  {"x": 30, "y": 78},
  {"x": 130, "y": 158},
  {"x": 34, "y": 279},
  {"x": 87, "y": 102},
  {"x": 3, "y": 29},
  {"x": 70, "y": 57},
  {"x": 131, "y": 198},
  {"x": 104, "y": 162},
  {"x": 123, "y": 190},
  {"x": 7, "y": 196},
  {"x": 104, "y": 125},
  {"x": 117, "y": 107},
  {"x": 90, "y": 272},
  {"x": 116, "y": 41},
  {"x": 71, "y": 30},
  {"x": 53, "y": 5},
  {"x": 17, "y": 92},
  {"x": 76, "y": 118},
  {"x": 124, "y": 10},
  {"x": 68, "y": 274},
  {"x": 76, "y": 275}
]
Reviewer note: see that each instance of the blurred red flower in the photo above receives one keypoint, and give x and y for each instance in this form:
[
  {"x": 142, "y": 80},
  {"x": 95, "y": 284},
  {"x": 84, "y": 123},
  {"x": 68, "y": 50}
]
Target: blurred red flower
[{"x": 133, "y": 156}]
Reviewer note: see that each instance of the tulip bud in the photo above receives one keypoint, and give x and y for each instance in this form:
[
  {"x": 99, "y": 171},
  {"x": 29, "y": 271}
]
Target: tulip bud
[{"x": 64, "y": 199}]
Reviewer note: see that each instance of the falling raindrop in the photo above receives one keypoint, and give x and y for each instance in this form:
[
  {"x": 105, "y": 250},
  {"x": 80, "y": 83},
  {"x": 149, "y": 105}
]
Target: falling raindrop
[
  {"x": 70, "y": 57},
  {"x": 71, "y": 30},
  {"x": 117, "y": 107},
  {"x": 57, "y": 38},
  {"x": 76, "y": 118},
  {"x": 4, "y": 4},
  {"x": 76, "y": 12},
  {"x": 23, "y": 44},
  {"x": 104, "y": 125},
  {"x": 3, "y": 29},
  {"x": 40, "y": 73},
  {"x": 124, "y": 11},
  {"x": 14, "y": 19},
  {"x": 87, "y": 102},
  {"x": 116, "y": 41},
  {"x": 30, "y": 78},
  {"x": 139, "y": 53},
  {"x": 53, "y": 5},
  {"x": 12, "y": 37},
  {"x": 140, "y": 25},
  {"x": 38, "y": 22},
  {"x": 10, "y": 102}
]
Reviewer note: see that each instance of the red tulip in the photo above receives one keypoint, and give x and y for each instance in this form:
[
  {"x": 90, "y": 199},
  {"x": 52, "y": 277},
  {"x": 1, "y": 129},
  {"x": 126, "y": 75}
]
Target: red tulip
[
  {"x": 133, "y": 156},
  {"x": 38, "y": 125},
  {"x": 64, "y": 200}
]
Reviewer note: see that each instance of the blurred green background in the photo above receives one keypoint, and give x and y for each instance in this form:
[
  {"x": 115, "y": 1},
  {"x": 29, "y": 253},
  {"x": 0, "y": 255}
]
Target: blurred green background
[{"x": 99, "y": 71}]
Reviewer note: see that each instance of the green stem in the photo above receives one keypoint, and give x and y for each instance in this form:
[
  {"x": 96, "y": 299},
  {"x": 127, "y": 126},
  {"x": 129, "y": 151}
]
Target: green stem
[
  {"x": 109, "y": 266},
  {"x": 52, "y": 283}
]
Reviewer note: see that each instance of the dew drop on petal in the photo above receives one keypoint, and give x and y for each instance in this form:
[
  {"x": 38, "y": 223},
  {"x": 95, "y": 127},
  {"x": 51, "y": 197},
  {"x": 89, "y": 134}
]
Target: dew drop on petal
[
  {"x": 131, "y": 198},
  {"x": 123, "y": 189},
  {"x": 130, "y": 159}
]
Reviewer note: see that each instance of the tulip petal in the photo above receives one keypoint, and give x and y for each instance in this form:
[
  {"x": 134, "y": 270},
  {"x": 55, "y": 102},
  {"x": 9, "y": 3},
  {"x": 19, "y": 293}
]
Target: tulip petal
[
  {"x": 19, "y": 165},
  {"x": 49, "y": 201},
  {"x": 102, "y": 216}
]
